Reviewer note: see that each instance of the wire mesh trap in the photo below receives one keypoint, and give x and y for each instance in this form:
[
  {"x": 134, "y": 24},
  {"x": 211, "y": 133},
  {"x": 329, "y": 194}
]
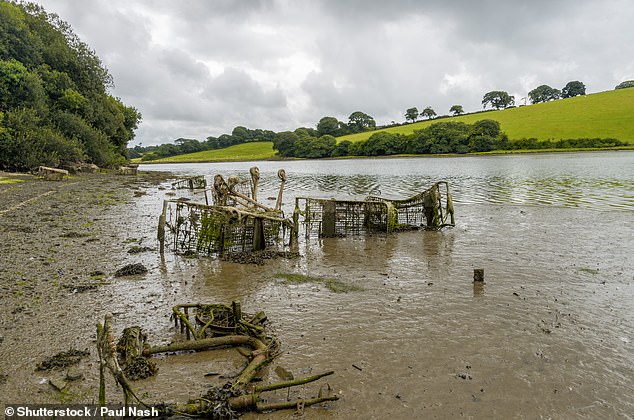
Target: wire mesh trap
[
  {"x": 237, "y": 223},
  {"x": 431, "y": 209}
]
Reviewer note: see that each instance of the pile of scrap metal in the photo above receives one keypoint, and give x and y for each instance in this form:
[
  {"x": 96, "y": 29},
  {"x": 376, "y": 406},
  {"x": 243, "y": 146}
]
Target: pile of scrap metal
[
  {"x": 235, "y": 223},
  {"x": 431, "y": 209}
]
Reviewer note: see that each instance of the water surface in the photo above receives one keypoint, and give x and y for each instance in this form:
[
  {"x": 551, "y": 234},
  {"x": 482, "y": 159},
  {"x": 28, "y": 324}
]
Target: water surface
[{"x": 550, "y": 334}]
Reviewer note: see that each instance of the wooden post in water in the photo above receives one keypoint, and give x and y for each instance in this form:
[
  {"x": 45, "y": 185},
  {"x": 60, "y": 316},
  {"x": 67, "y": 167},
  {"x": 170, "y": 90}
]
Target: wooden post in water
[
  {"x": 478, "y": 281},
  {"x": 161, "y": 227}
]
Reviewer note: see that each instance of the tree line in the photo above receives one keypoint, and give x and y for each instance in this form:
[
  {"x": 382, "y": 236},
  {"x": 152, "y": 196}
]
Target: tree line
[
  {"x": 54, "y": 105},
  {"x": 437, "y": 138},
  {"x": 327, "y": 126}
]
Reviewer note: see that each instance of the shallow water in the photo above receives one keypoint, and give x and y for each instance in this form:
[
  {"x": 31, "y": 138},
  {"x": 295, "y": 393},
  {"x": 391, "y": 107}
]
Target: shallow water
[{"x": 548, "y": 336}]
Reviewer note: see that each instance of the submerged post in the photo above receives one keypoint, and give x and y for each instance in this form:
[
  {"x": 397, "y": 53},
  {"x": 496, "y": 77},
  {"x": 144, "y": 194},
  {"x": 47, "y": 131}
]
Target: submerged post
[
  {"x": 478, "y": 275},
  {"x": 161, "y": 227}
]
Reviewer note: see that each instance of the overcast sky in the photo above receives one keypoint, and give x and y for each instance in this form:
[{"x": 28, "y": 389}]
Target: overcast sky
[{"x": 198, "y": 68}]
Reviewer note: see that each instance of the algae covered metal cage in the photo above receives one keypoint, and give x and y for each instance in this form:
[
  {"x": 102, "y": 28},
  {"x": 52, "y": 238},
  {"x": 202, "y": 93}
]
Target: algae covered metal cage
[
  {"x": 429, "y": 209},
  {"x": 235, "y": 223},
  {"x": 199, "y": 228}
]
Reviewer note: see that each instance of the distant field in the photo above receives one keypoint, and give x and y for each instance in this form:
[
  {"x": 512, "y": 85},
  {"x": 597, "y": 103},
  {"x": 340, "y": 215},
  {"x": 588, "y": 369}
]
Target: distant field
[
  {"x": 239, "y": 152},
  {"x": 605, "y": 114}
]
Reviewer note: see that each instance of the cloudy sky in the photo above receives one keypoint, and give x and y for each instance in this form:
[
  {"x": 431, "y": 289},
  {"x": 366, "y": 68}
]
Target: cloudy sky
[{"x": 198, "y": 68}]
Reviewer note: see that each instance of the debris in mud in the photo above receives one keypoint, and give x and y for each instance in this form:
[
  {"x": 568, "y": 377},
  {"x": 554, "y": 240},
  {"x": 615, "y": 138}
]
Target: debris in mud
[
  {"x": 131, "y": 270},
  {"x": 237, "y": 224},
  {"x": 334, "y": 285},
  {"x": 431, "y": 209},
  {"x": 136, "y": 249},
  {"x": 80, "y": 288},
  {"x": 258, "y": 257},
  {"x": 207, "y": 327},
  {"x": 63, "y": 359},
  {"x": 130, "y": 347},
  {"x": 140, "y": 368},
  {"x": 74, "y": 374},
  {"x": 73, "y": 234},
  {"x": 3, "y": 378}
]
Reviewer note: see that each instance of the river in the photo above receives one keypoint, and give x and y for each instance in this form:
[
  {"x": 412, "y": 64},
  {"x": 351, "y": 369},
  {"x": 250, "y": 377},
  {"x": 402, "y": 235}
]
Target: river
[{"x": 550, "y": 334}]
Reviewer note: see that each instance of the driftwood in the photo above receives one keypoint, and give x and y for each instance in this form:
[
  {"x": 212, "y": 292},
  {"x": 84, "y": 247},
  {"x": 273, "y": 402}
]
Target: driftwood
[
  {"x": 229, "y": 327},
  {"x": 52, "y": 174}
]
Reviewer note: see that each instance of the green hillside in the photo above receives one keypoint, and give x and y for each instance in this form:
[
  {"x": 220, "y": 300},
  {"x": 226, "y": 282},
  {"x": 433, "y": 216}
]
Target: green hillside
[
  {"x": 603, "y": 115},
  {"x": 241, "y": 152}
]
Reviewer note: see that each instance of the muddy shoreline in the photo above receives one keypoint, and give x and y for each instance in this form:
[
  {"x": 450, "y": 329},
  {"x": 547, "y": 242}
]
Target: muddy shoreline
[
  {"x": 549, "y": 336},
  {"x": 61, "y": 242}
]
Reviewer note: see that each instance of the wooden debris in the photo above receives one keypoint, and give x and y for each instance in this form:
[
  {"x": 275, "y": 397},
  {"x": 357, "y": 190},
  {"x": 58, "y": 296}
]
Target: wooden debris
[
  {"x": 209, "y": 326},
  {"x": 52, "y": 174}
]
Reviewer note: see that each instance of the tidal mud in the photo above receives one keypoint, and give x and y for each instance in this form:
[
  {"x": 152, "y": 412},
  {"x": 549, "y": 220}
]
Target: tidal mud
[{"x": 549, "y": 334}]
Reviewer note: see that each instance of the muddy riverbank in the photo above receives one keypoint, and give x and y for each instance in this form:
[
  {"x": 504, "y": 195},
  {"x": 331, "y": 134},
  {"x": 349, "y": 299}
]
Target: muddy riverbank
[{"x": 549, "y": 335}]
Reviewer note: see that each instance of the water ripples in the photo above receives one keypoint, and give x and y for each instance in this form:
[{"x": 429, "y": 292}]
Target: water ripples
[{"x": 597, "y": 181}]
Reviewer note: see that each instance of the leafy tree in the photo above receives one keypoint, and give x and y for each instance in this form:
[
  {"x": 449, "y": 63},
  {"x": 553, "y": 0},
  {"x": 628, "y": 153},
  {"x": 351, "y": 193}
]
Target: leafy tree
[
  {"x": 342, "y": 148},
  {"x": 284, "y": 143},
  {"x": 543, "y": 93},
  {"x": 328, "y": 125},
  {"x": 383, "y": 144},
  {"x": 306, "y": 131},
  {"x": 315, "y": 147},
  {"x": 428, "y": 112},
  {"x": 359, "y": 121},
  {"x": 486, "y": 128},
  {"x": 53, "y": 93},
  {"x": 240, "y": 134},
  {"x": 189, "y": 146},
  {"x": 456, "y": 110},
  {"x": 626, "y": 84},
  {"x": 498, "y": 99},
  {"x": 574, "y": 88},
  {"x": 226, "y": 140},
  {"x": 411, "y": 114}
]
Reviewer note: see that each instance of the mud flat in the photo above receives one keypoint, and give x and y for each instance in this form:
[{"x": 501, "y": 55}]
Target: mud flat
[
  {"x": 549, "y": 334},
  {"x": 61, "y": 242}
]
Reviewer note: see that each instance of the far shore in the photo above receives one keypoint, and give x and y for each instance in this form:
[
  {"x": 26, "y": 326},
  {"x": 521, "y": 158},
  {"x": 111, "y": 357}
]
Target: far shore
[{"x": 491, "y": 153}]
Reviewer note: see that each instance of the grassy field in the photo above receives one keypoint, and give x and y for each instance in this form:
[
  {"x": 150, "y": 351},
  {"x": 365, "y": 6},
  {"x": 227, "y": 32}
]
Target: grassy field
[
  {"x": 605, "y": 114},
  {"x": 239, "y": 152}
]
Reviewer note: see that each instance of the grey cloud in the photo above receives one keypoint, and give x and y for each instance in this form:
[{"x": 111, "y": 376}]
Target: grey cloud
[
  {"x": 237, "y": 88},
  {"x": 370, "y": 55}
]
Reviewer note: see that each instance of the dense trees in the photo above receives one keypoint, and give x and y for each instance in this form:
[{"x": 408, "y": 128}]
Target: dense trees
[
  {"x": 626, "y": 84},
  {"x": 329, "y": 125},
  {"x": 544, "y": 93},
  {"x": 54, "y": 107},
  {"x": 498, "y": 99},
  {"x": 428, "y": 113},
  {"x": 359, "y": 121},
  {"x": 456, "y": 110},
  {"x": 411, "y": 114},
  {"x": 574, "y": 88}
]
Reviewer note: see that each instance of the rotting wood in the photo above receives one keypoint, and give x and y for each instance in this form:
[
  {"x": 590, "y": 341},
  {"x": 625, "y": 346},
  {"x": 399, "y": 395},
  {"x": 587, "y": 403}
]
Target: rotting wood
[
  {"x": 52, "y": 174},
  {"x": 225, "y": 402}
]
